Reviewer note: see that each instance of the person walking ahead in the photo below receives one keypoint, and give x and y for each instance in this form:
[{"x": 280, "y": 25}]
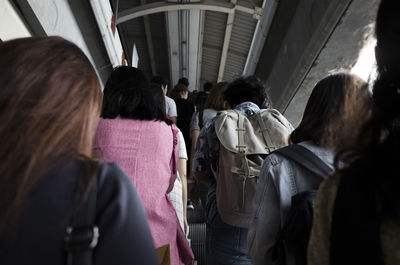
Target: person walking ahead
[{"x": 229, "y": 153}]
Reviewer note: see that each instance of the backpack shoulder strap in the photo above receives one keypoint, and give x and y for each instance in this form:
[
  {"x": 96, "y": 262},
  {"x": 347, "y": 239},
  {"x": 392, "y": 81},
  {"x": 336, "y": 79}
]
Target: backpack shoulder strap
[
  {"x": 305, "y": 158},
  {"x": 82, "y": 235},
  {"x": 201, "y": 122},
  {"x": 264, "y": 131},
  {"x": 241, "y": 144}
]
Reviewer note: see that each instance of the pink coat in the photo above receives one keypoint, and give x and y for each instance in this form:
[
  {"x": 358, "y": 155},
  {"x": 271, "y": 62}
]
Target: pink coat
[{"x": 145, "y": 150}]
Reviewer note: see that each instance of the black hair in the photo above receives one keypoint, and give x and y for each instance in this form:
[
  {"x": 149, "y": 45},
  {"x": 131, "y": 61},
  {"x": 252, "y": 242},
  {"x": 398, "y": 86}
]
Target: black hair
[
  {"x": 128, "y": 94},
  {"x": 159, "y": 100},
  {"x": 201, "y": 99},
  {"x": 183, "y": 81},
  {"x": 387, "y": 34},
  {"x": 161, "y": 81},
  {"x": 369, "y": 186},
  {"x": 207, "y": 86},
  {"x": 180, "y": 88},
  {"x": 247, "y": 88},
  {"x": 379, "y": 147}
]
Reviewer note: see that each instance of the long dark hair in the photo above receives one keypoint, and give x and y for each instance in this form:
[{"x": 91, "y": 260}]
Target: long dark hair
[
  {"x": 368, "y": 192},
  {"x": 128, "y": 94},
  {"x": 339, "y": 101},
  {"x": 378, "y": 145},
  {"x": 49, "y": 105}
]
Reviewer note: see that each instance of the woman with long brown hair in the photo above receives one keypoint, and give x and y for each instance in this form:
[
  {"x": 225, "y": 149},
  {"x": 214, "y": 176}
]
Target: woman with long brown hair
[
  {"x": 357, "y": 210},
  {"x": 50, "y": 101},
  {"x": 338, "y": 106},
  {"x": 213, "y": 104}
]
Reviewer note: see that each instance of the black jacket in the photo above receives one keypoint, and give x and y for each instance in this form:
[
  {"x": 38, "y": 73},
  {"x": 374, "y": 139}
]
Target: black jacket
[{"x": 37, "y": 237}]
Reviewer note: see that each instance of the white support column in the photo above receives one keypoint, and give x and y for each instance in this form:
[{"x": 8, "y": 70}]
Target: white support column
[
  {"x": 173, "y": 36},
  {"x": 184, "y": 43},
  {"x": 193, "y": 47}
]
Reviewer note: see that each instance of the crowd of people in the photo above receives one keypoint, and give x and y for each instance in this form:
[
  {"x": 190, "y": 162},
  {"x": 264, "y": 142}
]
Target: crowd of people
[{"x": 105, "y": 178}]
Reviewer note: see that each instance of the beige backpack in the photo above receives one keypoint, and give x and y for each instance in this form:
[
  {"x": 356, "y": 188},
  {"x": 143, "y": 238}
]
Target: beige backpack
[{"x": 245, "y": 142}]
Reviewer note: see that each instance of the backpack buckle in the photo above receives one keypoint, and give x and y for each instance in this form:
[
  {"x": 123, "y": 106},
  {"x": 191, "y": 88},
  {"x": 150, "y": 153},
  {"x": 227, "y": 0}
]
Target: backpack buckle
[{"x": 81, "y": 238}]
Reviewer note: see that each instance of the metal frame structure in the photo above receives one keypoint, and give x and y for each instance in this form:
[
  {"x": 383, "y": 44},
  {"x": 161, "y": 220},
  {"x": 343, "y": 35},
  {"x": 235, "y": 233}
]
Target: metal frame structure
[{"x": 210, "y": 5}]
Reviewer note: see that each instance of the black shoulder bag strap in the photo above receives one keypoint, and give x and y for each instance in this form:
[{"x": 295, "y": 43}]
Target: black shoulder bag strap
[
  {"x": 201, "y": 111},
  {"x": 292, "y": 232},
  {"x": 82, "y": 236},
  {"x": 306, "y": 159}
]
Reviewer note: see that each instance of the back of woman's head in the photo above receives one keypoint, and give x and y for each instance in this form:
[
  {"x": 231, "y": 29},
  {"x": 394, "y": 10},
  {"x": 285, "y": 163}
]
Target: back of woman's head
[
  {"x": 383, "y": 130},
  {"x": 49, "y": 105},
  {"x": 338, "y": 105},
  {"x": 215, "y": 99},
  {"x": 127, "y": 94},
  {"x": 180, "y": 90},
  {"x": 173, "y": 93},
  {"x": 201, "y": 98},
  {"x": 377, "y": 154},
  {"x": 370, "y": 180},
  {"x": 245, "y": 89}
]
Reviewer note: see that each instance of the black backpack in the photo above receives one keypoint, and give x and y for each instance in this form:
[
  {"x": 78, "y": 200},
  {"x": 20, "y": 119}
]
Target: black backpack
[{"x": 296, "y": 231}]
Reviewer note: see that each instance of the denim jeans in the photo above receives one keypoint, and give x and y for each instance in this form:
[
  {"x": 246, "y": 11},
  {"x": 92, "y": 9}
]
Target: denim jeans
[
  {"x": 202, "y": 189},
  {"x": 226, "y": 244}
]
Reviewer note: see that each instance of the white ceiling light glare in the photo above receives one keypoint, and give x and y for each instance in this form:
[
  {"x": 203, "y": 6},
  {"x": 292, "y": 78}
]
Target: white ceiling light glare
[
  {"x": 365, "y": 67},
  {"x": 135, "y": 56}
]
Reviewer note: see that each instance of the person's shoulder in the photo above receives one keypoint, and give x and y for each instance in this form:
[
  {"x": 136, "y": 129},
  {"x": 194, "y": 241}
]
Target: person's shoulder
[
  {"x": 169, "y": 100},
  {"x": 210, "y": 111},
  {"x": 274, "y": 160},
  {"x": 278, "y": 166}
]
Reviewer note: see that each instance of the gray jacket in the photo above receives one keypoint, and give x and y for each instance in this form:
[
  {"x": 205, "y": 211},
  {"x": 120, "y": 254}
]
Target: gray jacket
[{"x": 279, "y": 180}]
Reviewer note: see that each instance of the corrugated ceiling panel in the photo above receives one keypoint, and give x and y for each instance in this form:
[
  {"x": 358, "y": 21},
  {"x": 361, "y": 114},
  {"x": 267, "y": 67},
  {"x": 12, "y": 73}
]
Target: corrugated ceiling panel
[
  {"x": 234, "y": 67},
  {"x": 242, "y": 34},
  {"x": 213, "y": 40},
  {"x": 210, "y": 64},
  {"x": 257, "y": 3}
]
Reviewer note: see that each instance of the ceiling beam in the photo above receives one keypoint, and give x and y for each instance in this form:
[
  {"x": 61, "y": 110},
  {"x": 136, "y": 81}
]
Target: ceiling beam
[
  {"x": 227, "y": 41},
  {"x": 260, "y": 35},
  {"x": 209, "y": 5}
]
